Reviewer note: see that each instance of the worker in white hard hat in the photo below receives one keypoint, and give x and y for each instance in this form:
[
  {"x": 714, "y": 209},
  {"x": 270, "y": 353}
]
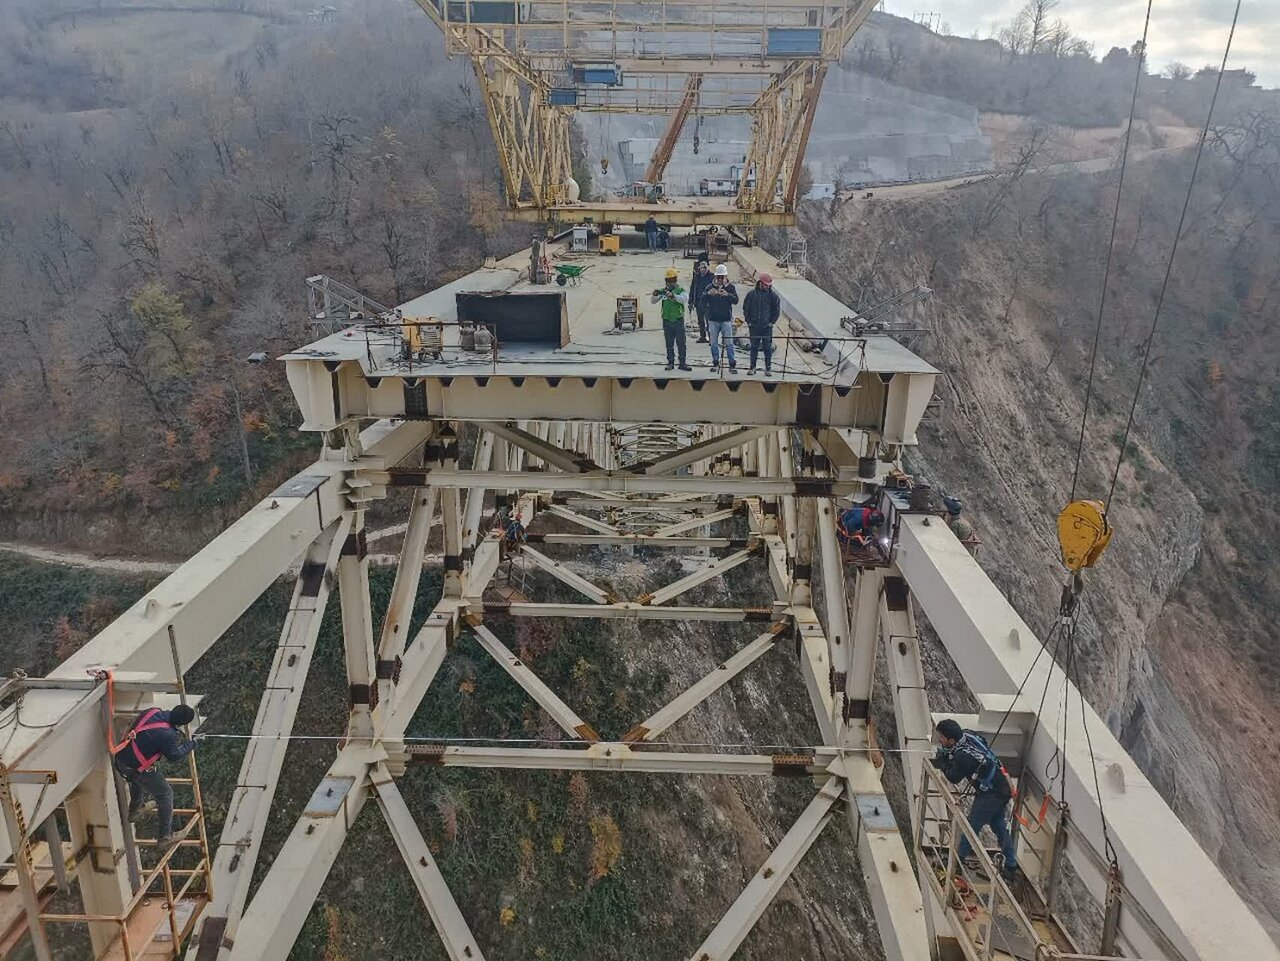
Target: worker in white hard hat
[
  {"x": 761, "y": 309},
  {"x": 673, "y": 299},
  {"x": 717, "y": 307}
]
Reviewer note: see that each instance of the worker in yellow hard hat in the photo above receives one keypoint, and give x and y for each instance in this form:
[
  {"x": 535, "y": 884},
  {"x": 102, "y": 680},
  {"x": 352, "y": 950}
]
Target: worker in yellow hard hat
[{"x": 673, "y": 299}]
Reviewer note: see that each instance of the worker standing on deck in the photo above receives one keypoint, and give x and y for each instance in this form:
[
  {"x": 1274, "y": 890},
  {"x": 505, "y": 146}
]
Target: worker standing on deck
[
  {"x": 153, "y": 737},
  {"x": 761, "y": 309},
  {"x": 697, "y": 287},
  {"x": 651, "y": 233},
  {"x": 673, "y": 299},
  {"x": 965, "y": 755},
  {"x": 717, "y": 304}
]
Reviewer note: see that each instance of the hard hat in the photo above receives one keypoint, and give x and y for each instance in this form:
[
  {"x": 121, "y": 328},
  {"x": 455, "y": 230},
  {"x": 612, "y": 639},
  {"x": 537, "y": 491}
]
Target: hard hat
[
  {"x": 722, "y": 270},
  {"x": 876, "y": 519},
  {"x": 766, "y": 280},
  {"x": 672, "y": 273}
]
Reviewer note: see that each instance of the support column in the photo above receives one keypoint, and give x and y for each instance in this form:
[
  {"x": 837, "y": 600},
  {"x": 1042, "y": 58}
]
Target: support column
[
  {"x": 357, "y": 628},
  {"x": 787, "y": 470},
  {"x": 475, "y": 495},
  {"x": 861, "y": 658},
  {"x": 451, "y": 516},
  {"x": 94, "y": 819},
  {"x": 250, "y": 805},
  {"x": 835, "y": 601}
]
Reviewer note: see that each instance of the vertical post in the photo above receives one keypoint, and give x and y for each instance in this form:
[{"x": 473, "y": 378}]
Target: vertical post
[
  {"x": 787, "y": 465},
  {"x": 193, "y": 772},
  {"x": 475, "y": 495},
  {"x": 450, "y": 516},
  {"x": 1057, "y": 856},
  {"x": 836, "y": 606},
  {"x": 96, "y": 821},
  {"x": 57, "y": 859},
  {"x": 1111, "y": 914},
  {"x": 801, "y": 579},
  {"x": 860, "y": 676},
  {"x": 129, "y": 842},
  {"x": 357, "y": 628},
  {"x": 16, "y": 827}
]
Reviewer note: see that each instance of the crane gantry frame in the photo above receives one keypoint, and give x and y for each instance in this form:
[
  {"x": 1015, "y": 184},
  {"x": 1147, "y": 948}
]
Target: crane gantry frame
[{"x": 763, "y": 59}]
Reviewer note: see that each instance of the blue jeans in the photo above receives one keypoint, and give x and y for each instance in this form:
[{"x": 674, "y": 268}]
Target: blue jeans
[
  {"x": 151, "y": 781},
  {"x": 652, "y": 237},
  {"x": 989, "y": 810},
  {"x": 715, "y": 330},
  {"x": 762, "y": 342}
]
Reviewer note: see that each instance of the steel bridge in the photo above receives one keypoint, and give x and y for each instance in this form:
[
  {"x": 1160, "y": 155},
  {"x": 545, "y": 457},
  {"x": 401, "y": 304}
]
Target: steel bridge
[{"x": 585, "y": 427}]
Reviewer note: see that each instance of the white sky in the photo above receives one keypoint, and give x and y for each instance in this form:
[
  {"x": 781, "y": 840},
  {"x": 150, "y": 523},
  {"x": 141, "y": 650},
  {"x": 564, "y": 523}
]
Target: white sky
[{"x": 1192, "y": 31}]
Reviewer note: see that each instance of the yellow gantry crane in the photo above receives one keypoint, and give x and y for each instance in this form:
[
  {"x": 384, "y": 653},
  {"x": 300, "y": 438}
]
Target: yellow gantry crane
[{"x": 540, "y": 61}]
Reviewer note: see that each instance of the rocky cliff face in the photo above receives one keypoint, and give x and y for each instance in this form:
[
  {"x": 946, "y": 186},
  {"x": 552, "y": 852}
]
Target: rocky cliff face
[{"x": 1173, "y": 649}]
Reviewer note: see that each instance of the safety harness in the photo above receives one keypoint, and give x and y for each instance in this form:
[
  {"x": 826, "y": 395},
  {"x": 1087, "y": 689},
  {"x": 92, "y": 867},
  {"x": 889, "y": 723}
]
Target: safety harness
[
  {"x": 143, "y": 723},
  {"x": 973, "y": 744}
]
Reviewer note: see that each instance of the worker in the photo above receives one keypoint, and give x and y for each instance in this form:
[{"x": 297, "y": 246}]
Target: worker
[
  {"x": 965, "y": 755},
  {"x": 153, "y": 737},
  {"x": 857, "y": 526},
  {"x": 697, "y": 287},
  {"x": 674, "y": 300},
  {"x": 664, "y": 237},
  {"x": 761, "y": 309},
  {"x": 964, "y": 530},
  {"x": 717, "y": 304},
  {"x": 651, "y": 233}
]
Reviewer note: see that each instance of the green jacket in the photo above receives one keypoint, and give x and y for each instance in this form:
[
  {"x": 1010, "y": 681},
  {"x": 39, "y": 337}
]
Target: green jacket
[{"x": 672, "y": 307}]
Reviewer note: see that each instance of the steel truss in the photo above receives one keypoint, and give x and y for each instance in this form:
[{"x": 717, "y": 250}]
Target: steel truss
[{"x": 785, "y": 475}]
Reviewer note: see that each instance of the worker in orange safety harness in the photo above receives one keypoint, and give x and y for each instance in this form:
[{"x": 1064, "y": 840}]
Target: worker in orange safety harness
[
  {"x": 154, "y": 736},
  {"x": 857, "y": 526}
]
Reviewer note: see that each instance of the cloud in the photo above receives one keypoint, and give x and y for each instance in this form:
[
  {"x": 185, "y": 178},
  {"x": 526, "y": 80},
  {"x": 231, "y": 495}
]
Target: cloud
[{"x": 1190, "y": 31}]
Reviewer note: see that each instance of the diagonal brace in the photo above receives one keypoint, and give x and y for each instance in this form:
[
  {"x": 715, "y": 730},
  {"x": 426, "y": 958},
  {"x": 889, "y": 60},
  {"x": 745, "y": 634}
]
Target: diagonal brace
[
  {"x": 672, "y": 462},
  {"x": 582, "y": 520},
  {"x": 687, "y": 583},
  {"x": 459, "y": 942},
  {"x": 547, "y": 699},
  {"x": 530, "y": 443},
  {"x": 759, "y": 893},
  {"x": 662, "y": 719},
  {"x": 566, "y": 576}
]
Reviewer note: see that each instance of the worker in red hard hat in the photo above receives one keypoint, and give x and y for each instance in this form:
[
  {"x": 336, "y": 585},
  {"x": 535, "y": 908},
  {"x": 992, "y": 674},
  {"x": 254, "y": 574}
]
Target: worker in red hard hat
[{"x": 761, "y": 310}]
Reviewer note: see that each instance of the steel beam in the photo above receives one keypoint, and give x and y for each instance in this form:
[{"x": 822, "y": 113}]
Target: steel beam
[
  {"x": 617, "y": 757},
  {"x": 759, "y": 893},
  {"x": 658, "y": 722},
  {"x": 451, "y": 514},
  {"x": 616, "y": 481},
  {"x": 547, "y": 699},
  {"x": 633, "y": 611},
  {"x": 359, "y": 652},
  {"x": 474, "y": 509},
  {"x": 994, "y": 649},
  {"x": 582, "y": 520},
  {"x": 706, "y": 520},
  {"x": 684, "y": 456},
  {"x": 459, "y": 943},
  {"x": 561, "y": 573},
  {"x": 637, "y": 540},
  {"x": 689, "y": 582},
  {"x": 250, "y": 804},
  {"x": 538, "y": 447}
]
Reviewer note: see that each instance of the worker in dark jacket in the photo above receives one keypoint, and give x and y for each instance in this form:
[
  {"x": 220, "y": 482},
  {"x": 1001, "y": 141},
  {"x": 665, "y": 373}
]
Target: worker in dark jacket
[
  {"x": 651, "y": 232},
  {"x": 966, "y": 756},
  {"x": 717, "y": 305},
  {"x": 761, "y": 310},
  {"x": 701, "y": 281},
  {"x": 153, "y": 737}
]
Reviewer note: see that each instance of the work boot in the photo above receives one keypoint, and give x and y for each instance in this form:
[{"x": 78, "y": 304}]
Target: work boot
[
  {"x": 751, "y": 372},
  {"x": 685, "y": 367},
  {"x": 670, "y": 367},
  {"x": 703, "y": 340}
]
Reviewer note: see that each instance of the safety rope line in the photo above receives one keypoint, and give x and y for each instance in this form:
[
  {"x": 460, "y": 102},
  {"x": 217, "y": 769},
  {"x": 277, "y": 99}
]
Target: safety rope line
[
  {"x": 1173, "y": 253},
  {"x": 1111, "y": 249}
]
